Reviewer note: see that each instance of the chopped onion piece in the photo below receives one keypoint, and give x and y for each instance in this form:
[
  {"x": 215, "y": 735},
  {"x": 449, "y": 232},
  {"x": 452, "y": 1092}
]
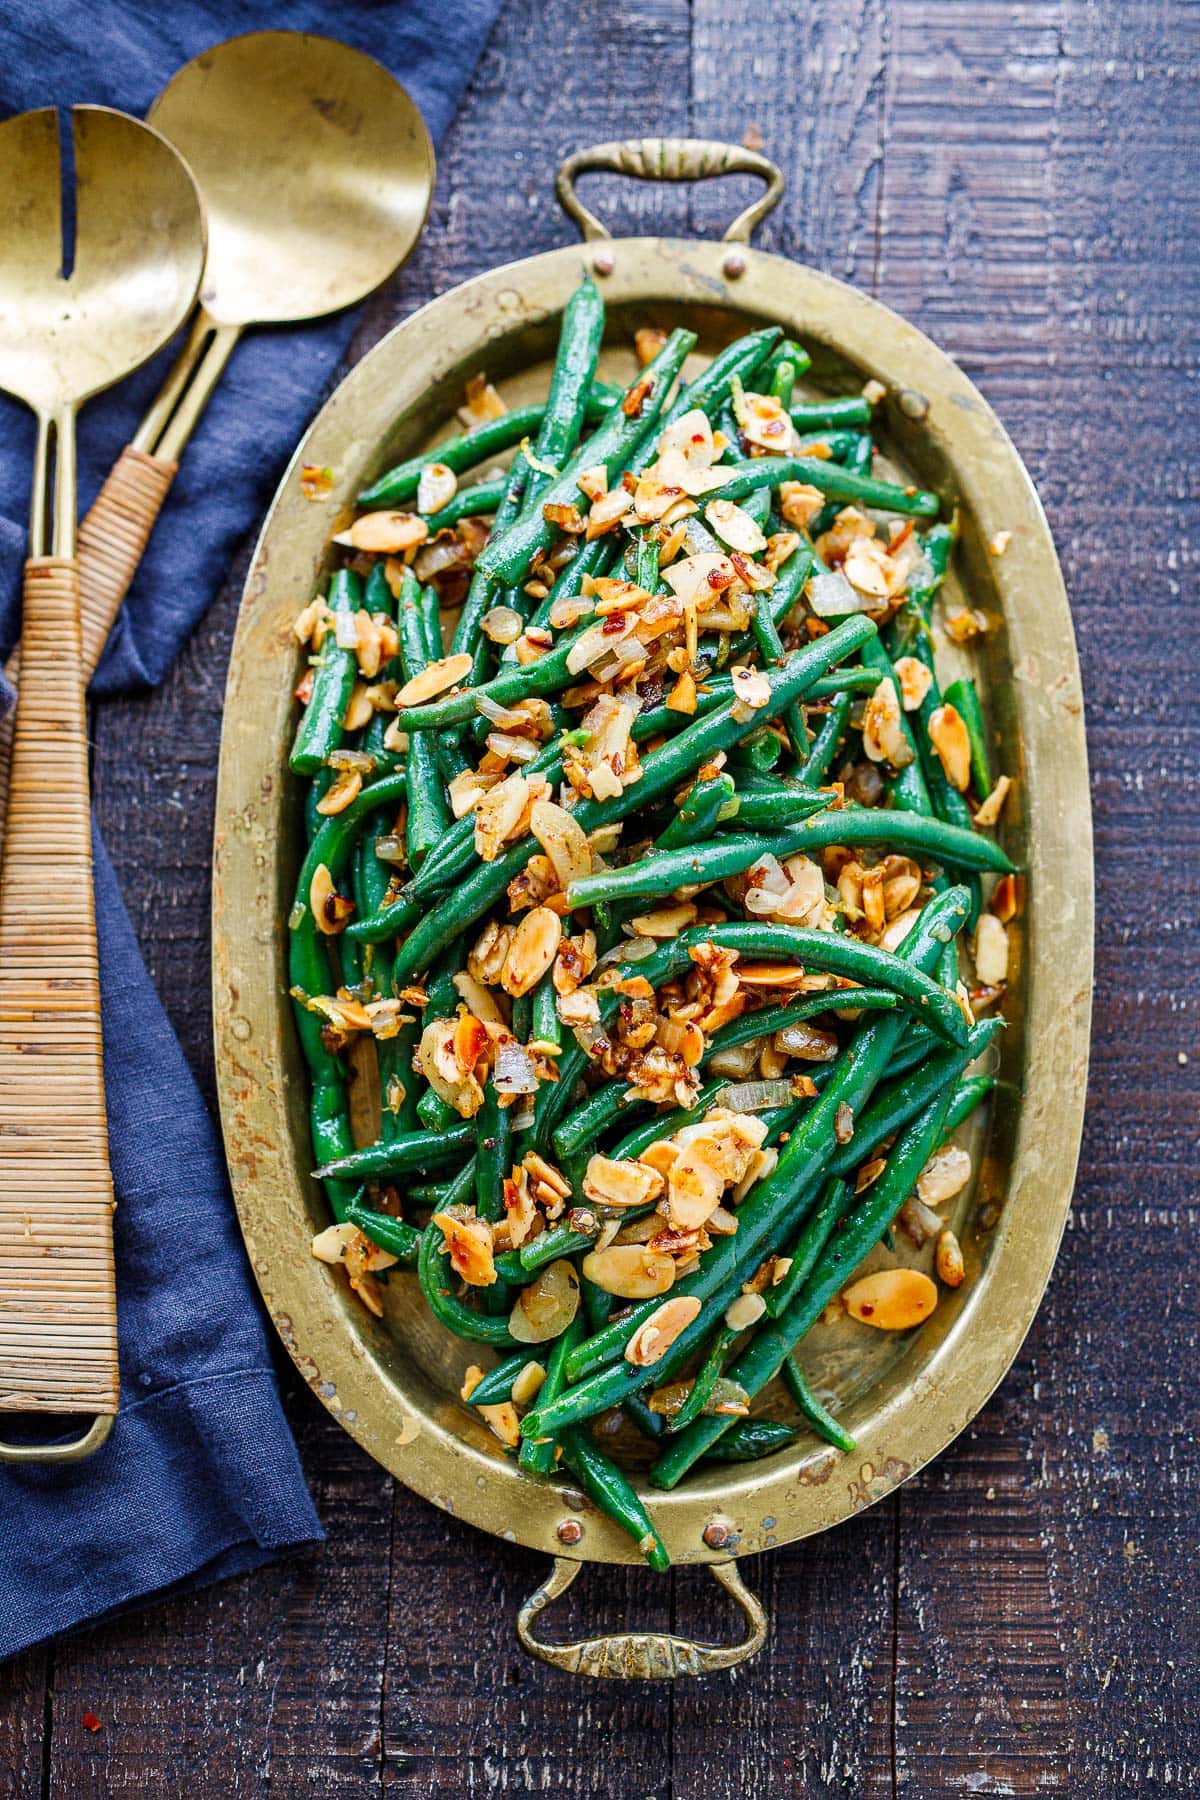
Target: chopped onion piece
[
  {"x": 757, "y": 1096},
  {"x": 830, "y": 594},
  {"x": 513, "y": 1073}
]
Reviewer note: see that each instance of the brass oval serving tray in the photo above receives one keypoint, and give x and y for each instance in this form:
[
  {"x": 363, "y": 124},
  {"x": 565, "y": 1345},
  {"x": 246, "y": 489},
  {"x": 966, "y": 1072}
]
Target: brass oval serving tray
[{"x": 394, "y": 1384}]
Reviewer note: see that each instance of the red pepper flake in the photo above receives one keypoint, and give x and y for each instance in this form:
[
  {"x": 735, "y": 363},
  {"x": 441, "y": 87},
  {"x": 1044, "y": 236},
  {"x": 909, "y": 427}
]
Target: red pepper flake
[{"x": 92, "y": 1723}]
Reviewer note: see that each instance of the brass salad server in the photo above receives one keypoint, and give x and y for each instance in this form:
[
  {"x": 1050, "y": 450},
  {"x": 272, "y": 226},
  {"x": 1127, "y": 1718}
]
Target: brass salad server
[{"x": 73, "y": 320}]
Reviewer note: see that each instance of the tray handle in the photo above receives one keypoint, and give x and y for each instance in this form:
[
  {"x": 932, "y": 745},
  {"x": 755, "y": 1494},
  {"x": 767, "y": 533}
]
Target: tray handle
[
  {"x": 641, "y": 1655},
  {"x": 668, "y": 159}
]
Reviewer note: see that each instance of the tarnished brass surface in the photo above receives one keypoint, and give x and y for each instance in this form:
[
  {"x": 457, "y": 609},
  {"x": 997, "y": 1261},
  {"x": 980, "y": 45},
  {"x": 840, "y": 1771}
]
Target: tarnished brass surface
[
  {"x": 395, "y": 1384},
  {"x": 668, "y": 159},
  {"x": 641, "y": 1655}
]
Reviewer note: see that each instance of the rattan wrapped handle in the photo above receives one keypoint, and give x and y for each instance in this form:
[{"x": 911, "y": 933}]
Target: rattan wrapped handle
[
  {"x": 58, "y": 1324},
  {"x": 111, "y": 541},
  {"x": 641, "y": 1655}
]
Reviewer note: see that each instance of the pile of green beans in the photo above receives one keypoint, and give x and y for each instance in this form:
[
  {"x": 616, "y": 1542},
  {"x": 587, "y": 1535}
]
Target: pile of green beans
[{"x": 400, "y": 903}]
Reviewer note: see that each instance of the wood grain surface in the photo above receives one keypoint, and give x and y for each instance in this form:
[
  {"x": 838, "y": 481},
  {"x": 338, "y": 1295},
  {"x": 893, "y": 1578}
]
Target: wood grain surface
[{"x": 1021, "y": 1619}]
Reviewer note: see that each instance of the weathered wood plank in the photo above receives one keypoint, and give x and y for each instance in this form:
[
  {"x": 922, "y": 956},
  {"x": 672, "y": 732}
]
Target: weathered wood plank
[{"x": 1048, "y": 1639}]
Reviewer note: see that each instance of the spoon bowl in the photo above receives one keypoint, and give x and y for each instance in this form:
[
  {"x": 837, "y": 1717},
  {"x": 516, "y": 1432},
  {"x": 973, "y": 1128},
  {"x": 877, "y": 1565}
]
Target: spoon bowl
[{"x": 315, "y": 166}]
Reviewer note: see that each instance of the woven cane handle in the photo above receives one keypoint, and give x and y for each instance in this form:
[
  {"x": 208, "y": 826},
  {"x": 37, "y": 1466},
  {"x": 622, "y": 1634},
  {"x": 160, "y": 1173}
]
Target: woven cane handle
[
  {"x": 58, "y": 1326},
  {"x": 111, "y": 541}
]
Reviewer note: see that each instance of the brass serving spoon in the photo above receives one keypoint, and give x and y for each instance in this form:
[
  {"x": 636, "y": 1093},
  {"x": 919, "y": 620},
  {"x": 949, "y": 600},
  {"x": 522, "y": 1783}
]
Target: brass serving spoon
[
  {"x": 317, "y": 172},
  {"x": 66, "y": 332}
]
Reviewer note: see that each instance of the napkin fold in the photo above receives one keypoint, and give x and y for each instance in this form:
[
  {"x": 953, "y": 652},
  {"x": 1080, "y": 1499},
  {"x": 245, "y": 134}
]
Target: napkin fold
[{"x": 200, "y": 1477}]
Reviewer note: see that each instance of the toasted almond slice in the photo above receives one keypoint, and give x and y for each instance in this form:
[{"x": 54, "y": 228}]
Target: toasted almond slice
[
  {"x": 359, "y": 710},
  {"x": 735, "y": 527},
  {"x": 891, "y": 1299},
  {"x": 534, "y": 947},
  {"x": 700, "y": 578},
  {"x": 564, "y": 841},
  {"x": 771, "y": 975},
  {"x": 608, "y": 511},
  {"x": 744, "y": 1311},
  {"x": 385, "y": 533},
  {"x": 528, "y": 1383},
  {"x": 434, "y": 679},
  {"x": 799, "y": 503},
  {"x": 330, "y": 910},
  {"x": 609, "y": 1182},
  {"x": 482, "y": 402},
  {"x": 665, "y": 921},
  {"x": 990, "y": 949},
  {"x": 915, "y": 681},
  {"x": 948, "y": 735},
  {"x": 882, "y": 734},
  {"x": 655, "y": 1335},
  {"x": 948, "y": 1259},
  {"x": 340, "y": 793},
  {"x": 992, "y": 807},
  {"x": 436, "y": 486},
  {"x": 469, "y": 1242},
  {"x": 630, "y": 1271},
  {"x": 944, "y": 1175},
  {"x": 648, "y": 340},
  {"x": 751, "y": 688}
]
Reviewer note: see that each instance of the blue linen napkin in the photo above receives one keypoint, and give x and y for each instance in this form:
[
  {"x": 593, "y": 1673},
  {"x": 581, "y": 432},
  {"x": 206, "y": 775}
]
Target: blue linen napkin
[{"x": 200, "y": 1478}]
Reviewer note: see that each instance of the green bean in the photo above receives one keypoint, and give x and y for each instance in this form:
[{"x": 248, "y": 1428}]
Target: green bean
[
  {"x": 815, "y": 949},
  {"x": 570, "y": 384},
  {"x": 748, "y": 1440},
  {"x": 765, "y": 1355},
  {"x": 428, "y": 816},
  {"x": 768, "y": 1020},
  {"x": 707, "y": 1377},
  {"x": 815, "y": 765},
  {"x": 469, "y": 449},
  {"x": 829, "y": 479},
  {"x": 479, "y": 502},
  {"x": 447, "y": 1308},
  {"x": 963, "y": 696},
  {"x": 546, "y": 1027},
  {"x": 849, "y": 411},
  {"x": 665, "y": 1125},
  {"x": 401, "y": 1240},
  {"x": 923, "y": 835},
  {"x": 699, "y": 811},
  {"x": 507, "y": 556},
  {"x": 814, "y": 1235},
  {"x": 603, "y": 1481},
  {"x": 321, "y": 726},
  {"x": 792, "y": 352},
  {"x": 564, "y": 1239},
  {"x": 496, "y": 1385},
  {"x": 713, "y": 386},
  {"x": 537, "y": 1455},
  {"x": 662, "y": 770},
  {"x": 493, "y": 1144},
  {"x": 413, "y": 1150},
  {"x": 783, "y": 380},
  {"x": 592, "y": 1119},
  {"x": 818, "y": 1416}
]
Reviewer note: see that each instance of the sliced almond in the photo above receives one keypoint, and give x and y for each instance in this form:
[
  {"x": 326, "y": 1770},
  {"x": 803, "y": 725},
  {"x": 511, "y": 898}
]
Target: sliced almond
[
  {"x": 469, "y": 1242},
  {"x": 992, "y": 807},
  {"x": 609, "y": 1182},
  {"x": 891, "y": 1299},
  {"x": 944, "y": 1175},
  {"x": 434, "y": 679},
  {"x": 359, "y": 709},
  {"x": 436, "y": 486},
  {"x": 882, "y": 734},
  {"x": 564, "y": 841},
  {"x": 385, "y": 533},
  {"x": 948, "y": 1259},
  {"x": 655, "y": 1335},
  {"x": 340, "y": 792},
  {"x": 799, "y": 503},
  {"x": 948, "y": 735},
  {"x": 990, "y": 948},
  {"x": 528, "y": 1384},
  {"x": 915, "y": 680},
  {"x": 532, "y": 950},
  {"x": 630, "y": 1271},
  {"x": 665, "y": 921},
  {"x": 735, "y": 527},
  {"x": 744, "y": 1311},
  {"x": 330, "y": 910}
]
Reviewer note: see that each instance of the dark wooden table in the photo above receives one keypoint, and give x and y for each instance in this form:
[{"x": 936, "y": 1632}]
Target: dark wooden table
[{"x": 1023, "y": 181}]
